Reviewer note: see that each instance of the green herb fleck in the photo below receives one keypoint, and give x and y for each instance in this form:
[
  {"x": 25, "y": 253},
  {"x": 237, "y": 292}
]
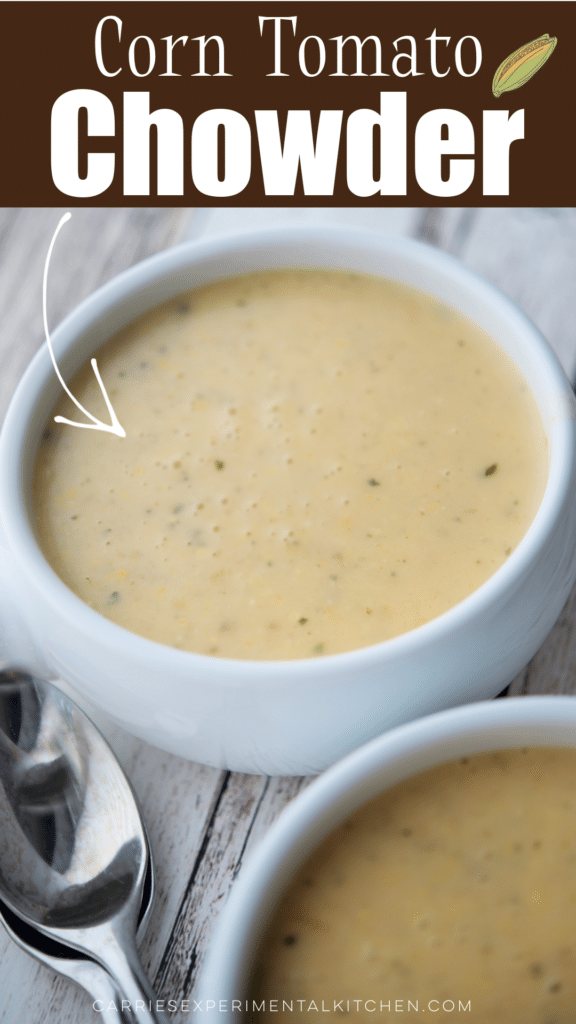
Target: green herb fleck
[
  {"x": 373, "y": 482},
  {"x": 114, "y": 597},
  {"x": 302, "y": 621},
  {"x": 491, "y": 469},
  {"x": 219, "y": 464},
  {"x": 368, "y": 611},
  {"x": 318, "y": 648}
]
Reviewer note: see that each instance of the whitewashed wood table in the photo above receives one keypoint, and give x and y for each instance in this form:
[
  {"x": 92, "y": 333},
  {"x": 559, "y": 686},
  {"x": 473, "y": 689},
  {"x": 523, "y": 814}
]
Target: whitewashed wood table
[{"x": 203, "y": 822}]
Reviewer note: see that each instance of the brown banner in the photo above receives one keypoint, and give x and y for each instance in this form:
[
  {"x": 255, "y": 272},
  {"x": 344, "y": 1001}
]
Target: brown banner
[{"x": 367, "y": 103}]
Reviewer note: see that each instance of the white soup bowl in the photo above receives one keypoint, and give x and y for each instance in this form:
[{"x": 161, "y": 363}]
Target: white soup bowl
[{"x": 284, "y": 717}]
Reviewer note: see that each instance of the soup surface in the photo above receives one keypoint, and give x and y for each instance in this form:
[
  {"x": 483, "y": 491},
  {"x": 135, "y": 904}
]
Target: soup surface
[
  {"x": 457, "y": 886},
  {"x": 314, "y": 462}
]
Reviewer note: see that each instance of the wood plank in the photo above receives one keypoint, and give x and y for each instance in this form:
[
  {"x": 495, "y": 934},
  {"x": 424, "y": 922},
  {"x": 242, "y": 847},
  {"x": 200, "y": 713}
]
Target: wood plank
[
  {"x": 530, "y": 254},
  {"x": 212, "y": 875},
  {"x": 246, "y": 808}
]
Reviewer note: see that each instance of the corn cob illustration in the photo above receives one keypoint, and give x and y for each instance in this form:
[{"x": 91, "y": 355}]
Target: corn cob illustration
[{"x": 521, "y": 65}]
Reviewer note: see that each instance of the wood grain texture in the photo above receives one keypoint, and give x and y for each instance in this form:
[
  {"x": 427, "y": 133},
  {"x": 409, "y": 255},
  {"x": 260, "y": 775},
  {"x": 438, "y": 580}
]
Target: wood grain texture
[{"x": 204, "y": 822}]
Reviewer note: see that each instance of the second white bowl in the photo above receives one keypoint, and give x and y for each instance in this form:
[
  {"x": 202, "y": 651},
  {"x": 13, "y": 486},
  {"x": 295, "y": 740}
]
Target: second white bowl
[{"x": 369, "y": 771}]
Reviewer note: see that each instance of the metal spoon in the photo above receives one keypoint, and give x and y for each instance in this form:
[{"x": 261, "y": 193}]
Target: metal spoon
[
  {"x": 73, "y": 849},
  {"x": 72, "y": 964}
]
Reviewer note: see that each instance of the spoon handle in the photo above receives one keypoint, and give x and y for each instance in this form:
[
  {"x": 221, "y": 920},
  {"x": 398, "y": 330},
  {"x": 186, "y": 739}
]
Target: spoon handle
[
  {"x": 121, "y": 961},
  {"x": 104, "y": 991}
]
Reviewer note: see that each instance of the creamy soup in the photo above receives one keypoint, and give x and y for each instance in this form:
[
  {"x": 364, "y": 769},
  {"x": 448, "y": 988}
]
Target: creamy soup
[
  {"x": 457, "y": 886},
  {"x": 314, "y": 462}
]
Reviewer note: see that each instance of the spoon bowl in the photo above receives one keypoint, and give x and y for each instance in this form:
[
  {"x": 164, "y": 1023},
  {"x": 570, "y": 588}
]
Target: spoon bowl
[{"x": 74, "y": 849}]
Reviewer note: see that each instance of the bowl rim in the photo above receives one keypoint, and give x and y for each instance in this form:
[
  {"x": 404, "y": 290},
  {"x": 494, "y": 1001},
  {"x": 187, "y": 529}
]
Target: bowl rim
[
  {"x": 18, "y": 530},
  {"x": 371, "y": 769}
]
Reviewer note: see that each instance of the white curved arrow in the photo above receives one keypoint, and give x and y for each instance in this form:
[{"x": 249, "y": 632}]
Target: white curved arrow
[{"x": 96, "y": 424}]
